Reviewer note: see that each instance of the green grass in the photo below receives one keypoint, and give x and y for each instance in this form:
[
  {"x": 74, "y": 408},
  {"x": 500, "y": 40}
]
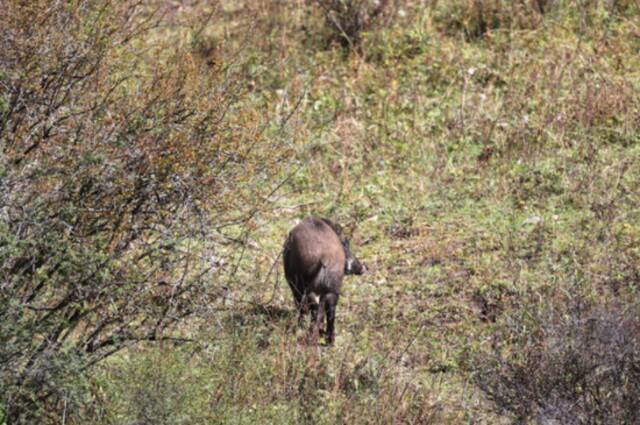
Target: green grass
[{"x": 484, "y": 175}]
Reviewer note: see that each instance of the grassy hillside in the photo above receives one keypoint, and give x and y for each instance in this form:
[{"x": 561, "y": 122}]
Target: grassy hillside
[{"x": 484, "y": 157}]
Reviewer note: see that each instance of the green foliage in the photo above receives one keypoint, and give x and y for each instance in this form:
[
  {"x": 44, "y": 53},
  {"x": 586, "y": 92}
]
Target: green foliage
[
  {"x": 478, "y": 19},
  {"x": 155, "y": 387},
  {"x": 214, "y": 383}
]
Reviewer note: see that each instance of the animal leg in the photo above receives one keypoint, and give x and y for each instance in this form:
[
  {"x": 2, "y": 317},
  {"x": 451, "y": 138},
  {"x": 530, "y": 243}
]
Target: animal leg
[
  {"x": 313, "y": 307},
  {"x": 301, "y": 313},
  {"x": 299, "y": 299},
  {"x": 317, "y": 314},
  {"x": 330, "y": 302}
]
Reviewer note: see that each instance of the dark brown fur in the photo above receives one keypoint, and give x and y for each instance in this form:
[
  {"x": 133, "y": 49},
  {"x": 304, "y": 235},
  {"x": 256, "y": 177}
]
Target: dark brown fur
[{"x": 316, "y": 258}]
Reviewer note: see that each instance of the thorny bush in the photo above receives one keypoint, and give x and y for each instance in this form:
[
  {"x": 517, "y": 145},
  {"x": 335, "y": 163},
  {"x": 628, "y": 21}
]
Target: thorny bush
[
  {"x": 119, "y": 159},
  {"x": 348, "y": 19},
  {"x": 569, "y": 365}
]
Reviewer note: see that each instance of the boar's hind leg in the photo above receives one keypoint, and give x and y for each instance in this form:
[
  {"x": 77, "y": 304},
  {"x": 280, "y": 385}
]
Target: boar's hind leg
[
  {"x": 329, "y": 303},
  {"x": 317, "y": 317},
  {"x": 299, "y": 299}
]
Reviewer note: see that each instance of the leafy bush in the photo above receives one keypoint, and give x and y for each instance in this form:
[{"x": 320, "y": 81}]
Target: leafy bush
[
  {"x": 120, "y": 158},
  {"x": 574, "y": 366}
]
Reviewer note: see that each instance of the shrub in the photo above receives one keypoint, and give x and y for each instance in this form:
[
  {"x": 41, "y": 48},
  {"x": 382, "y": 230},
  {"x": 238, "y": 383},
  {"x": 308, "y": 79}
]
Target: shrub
[
  {"x": 120, "y": 157},
  {"x": 576, "y": 365},
  {"x": 155, "y": 385},
  {"x": 348, "y": 19}
]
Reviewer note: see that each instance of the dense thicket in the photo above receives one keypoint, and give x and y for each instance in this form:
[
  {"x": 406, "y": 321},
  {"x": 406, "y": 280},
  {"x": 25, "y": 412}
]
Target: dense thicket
[
  {"x": 575, "y": 364},
  {"x": 120, "y": 158}
]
